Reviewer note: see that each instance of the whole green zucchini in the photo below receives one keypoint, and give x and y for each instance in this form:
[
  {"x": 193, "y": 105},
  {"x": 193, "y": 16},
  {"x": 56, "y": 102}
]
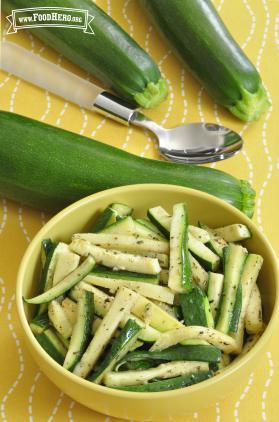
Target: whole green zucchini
[
  {"x": 110, "y": 55},
  {"x": 48, "y": 168},
  {"x": 200, "y": 38}
]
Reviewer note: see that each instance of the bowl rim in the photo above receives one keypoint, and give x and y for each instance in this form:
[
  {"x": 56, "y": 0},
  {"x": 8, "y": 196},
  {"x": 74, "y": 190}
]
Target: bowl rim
[{"x": 226, "y": 373}]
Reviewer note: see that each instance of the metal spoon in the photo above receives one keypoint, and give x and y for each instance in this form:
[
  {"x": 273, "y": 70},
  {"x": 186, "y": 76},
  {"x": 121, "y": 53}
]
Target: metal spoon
[{"x": 192, "y": 143}]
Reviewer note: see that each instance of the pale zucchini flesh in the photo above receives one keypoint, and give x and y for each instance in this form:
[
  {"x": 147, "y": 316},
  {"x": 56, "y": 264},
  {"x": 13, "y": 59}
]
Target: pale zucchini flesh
[
  {"x": 66, "y": 263},
  {"x": 163, "y": 371},
  {"x": 59, "y": 319},
  {"x": 161, "y": 219},
  {"x": 208, "y": 259},
  {"x": 214, "y": 291},
  {"x": 233, "y": 233},
  {"x": 121, "y": 242},
  {"x": 121, "y": 305},
  {"x": 116, "y": 259},
  {"x": 254, "y": 317},
  {"x": 124, "y": 226},
  {"x": 199, "y": 275},
  {"x": 148, "y": 290}
]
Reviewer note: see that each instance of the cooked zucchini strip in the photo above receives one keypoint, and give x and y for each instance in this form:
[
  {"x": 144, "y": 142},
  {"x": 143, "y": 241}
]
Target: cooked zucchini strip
[
  {"x": 163, "y": 258},
  {"x": 201, "y": 353},
  {"x": 215, "y": 242},
  {"x": 236, "y": 310},
  {"x": 169, "y": 384},
  {"x": 124, "y": 226},
  {"x": 143, "y": 230},
  {"x": 46, "y": 247},
  {"x": 195, "y": 308},
  {"x": 163, "y": 371},
  {"x": 199, "y": 275},
  {"x": 70, "y": 308},
  {"x": 66, "y": 284},
  {"x": 249, "y": 344},
  {"x": 59, "y": 319},
  {"x": 180, "y": 274},
  {"x": 129, "y": 243},
  {"x": 216, "y": 338},
  {"x": 234, "y": 259},
  {"x": 121, "y": 306},
  {"x": 233, "y": 233},
  {"x": 110, "y": 215},
  {"x": 125, "y": 275},
  {"x": 119, "y": 348},
  {"x": 116, "y": 259},
  {"x": 171, "y": 310},
  {"x": 149, "y": 290},
  {"x": 52, "y": 345},
  {"x": 208, "y": 259},
  {"x": 161, "y": 219},
  {"x": 81, "y": 331},
  {"x": 66, "y": 263},
  {"x": 214, "y": 291},
  {"x": 254, "y": 317},
  {"x": 46, "y": 281},
  {"x": 40, "y": 323},
  {"x": 249, "y": 276},
  {"x": 147, "y": 223},
  {"x": 199, "y": 233}
]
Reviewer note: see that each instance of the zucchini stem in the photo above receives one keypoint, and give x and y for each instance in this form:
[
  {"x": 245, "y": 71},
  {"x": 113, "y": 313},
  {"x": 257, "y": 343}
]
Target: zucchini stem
[{"x": 153, "y": 94}]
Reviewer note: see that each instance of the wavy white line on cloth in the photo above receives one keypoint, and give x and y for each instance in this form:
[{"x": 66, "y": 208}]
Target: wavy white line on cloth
[
  {"x": 20, "y": 359},
  {"x": 56, "y": 407},
  {"x": 218, "y": 411},
  {"x": 242, "y": 397},
  {"x": 108, "y": 7},
  {"x": 70, "y": 411},
  {"x": 3, "y": 293},
  {"x": 267, "y": 116},
  {"x": 31, "y": 395},
  {"x": 267, "y": 384},
  {"x": 5, "y": 215},
  {"x": 183, "y": 95},
  {"x": 21, "y": 224}
]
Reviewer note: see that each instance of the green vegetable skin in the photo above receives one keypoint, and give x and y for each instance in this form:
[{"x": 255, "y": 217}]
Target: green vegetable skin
[
  {"x": 201, "y": 40},
  {"x": 49, "y": 168},
  {"x": 110, "y": 55}
]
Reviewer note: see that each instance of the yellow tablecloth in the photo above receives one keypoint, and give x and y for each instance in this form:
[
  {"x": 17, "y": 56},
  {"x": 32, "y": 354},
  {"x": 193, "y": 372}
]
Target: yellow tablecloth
[{"x": 25, "y": 393}]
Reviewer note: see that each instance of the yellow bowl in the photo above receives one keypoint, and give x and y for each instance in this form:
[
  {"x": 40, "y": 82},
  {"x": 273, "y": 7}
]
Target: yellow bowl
[{"x": 147, "y": 406}]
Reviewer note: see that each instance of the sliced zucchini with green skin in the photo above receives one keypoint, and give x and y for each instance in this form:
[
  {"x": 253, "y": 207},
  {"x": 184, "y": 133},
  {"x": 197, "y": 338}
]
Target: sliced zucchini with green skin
[
  {"x": 123, "y": 210},
  {"x": 199, "y": 275},
  {"x": 46, "y": 281},
  {"x": 64, "y": 341},
  {"x": 124, "y": 226},
  {"x": 119, "y": 348},
  {"x": 147, "y": 223},
  {"x": 66, "y": 263},
  {"x": 125, "y": 275},
  {"x": 164, "y": 276},
  {"x": 40, "y": 323},
  {"x": 71, "y": 280},
  {"x": 123, "y": 302},
  {"x": 189, "y": 353},
  {"x": 81, "y": 331},
  {"x": 59, "y": 319},
  {"x": 169, "y": 384},
  {"x": 161, "y": 219},
  {"x": 129, "y": 243},
  {"x": 116, "y": 259},
  {"x": 52, "y": 345},
  {"x": 167, "y": 308},
  {"x": 204, "y": 255},
  {"x": 195, "y": 308},
  {"x": 172, "y": 337},
  {"x": 163, "y": 258},
  {"x": 236, "y": 310},
  {"x": 234, "y": 259},
  {"x": 47, "y": 246},
  {"x": 254, "y": 317},
  {"x": 165, "y": 370},
  {"x": 233, "y": 233},
  {"x": 180, "y": 274},
  {"x": 148, "y": 290},
  {"x": 215, "y": 242},
  {"x": 214, "y": 291},
  {"x": 107, "y": 217},
  {"x": 144, "y": 231},
  {"x": 249, "y": 276},
  {"x": 199, "y": 233}
]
